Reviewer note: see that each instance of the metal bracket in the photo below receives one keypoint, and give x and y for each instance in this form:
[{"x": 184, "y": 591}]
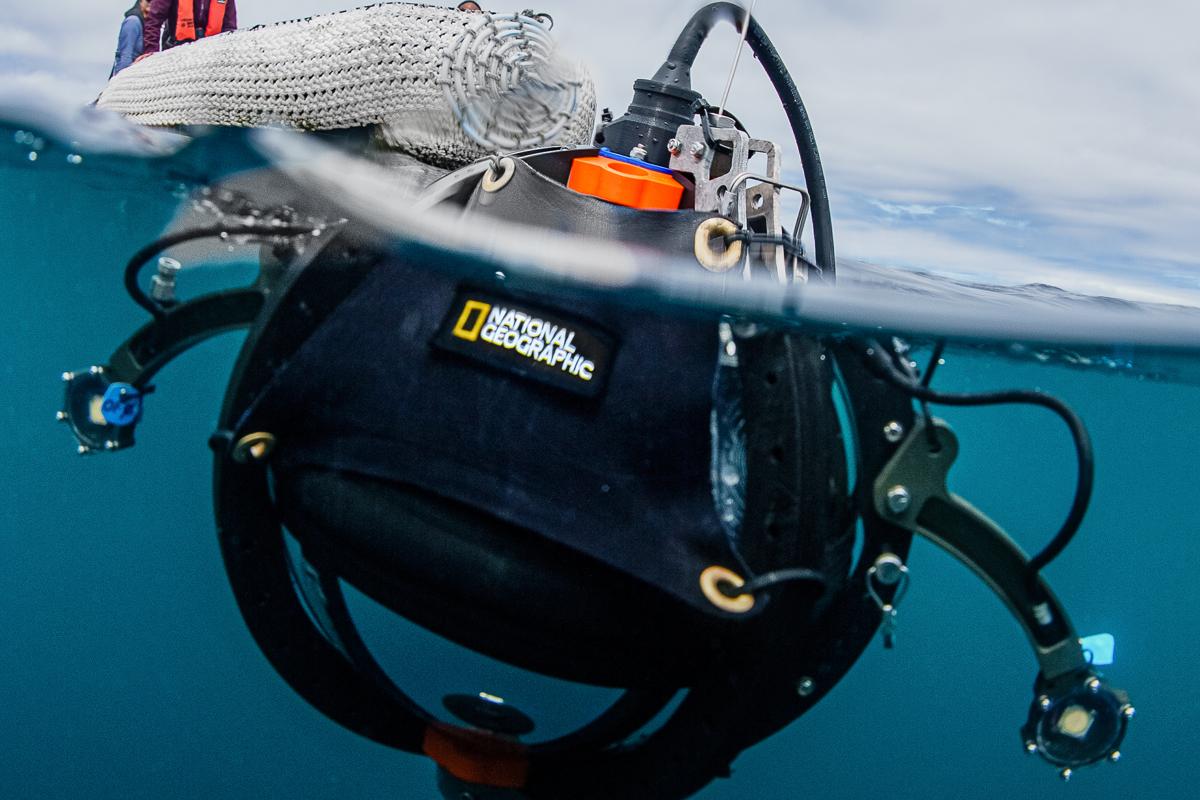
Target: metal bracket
[
  {"x": 911, "y": 492},
  {"x": 757, "y": 202}
]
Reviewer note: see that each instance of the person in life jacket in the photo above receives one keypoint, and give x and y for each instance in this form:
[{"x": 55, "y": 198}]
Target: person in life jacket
[{"x": 173, "y": 22}]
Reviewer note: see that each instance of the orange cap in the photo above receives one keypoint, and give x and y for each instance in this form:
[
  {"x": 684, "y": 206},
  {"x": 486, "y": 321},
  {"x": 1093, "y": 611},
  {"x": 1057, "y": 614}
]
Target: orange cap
[{"x": 625, "y": 184}]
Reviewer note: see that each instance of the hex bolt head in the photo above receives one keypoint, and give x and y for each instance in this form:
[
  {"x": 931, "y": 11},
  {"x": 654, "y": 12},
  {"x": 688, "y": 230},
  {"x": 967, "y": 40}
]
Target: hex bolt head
[
  {"x": 1030, "y": 747},
  {"x": 806, "y": 686},
  {"x": 1128, "y": 711},
  {"x": 675, "y": 147},
  {"x": 1093, "y": 685},
  {"x": 893, "y": 431},
  {"x": 898, "y": 499},
  {"x": 1114, "y": 756},
  {"x": 1066, "y": 774},
  {"x": 61, "y": 416},
  {"x": 1043, "y": 702},
  {"x": 698, "y": 149}
]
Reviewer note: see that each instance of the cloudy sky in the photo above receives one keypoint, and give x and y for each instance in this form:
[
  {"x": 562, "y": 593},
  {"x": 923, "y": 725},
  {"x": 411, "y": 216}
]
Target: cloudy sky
[{"x": 1025, "y": 141}]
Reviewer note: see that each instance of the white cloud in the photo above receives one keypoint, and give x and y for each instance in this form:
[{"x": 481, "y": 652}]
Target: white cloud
[{"x": 20, "y": 42}]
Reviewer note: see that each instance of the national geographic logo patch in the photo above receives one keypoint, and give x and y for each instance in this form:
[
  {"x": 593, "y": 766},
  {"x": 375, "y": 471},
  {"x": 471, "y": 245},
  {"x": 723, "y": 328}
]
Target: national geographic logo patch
[{"x": 528, "y": 341}]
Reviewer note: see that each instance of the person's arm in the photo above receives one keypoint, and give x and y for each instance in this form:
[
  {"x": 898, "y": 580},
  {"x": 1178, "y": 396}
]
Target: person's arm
[
  {"x": 129, "y": 43},
  {"x": 230, "y": 22},
  {"x": 159, "y": 11}
]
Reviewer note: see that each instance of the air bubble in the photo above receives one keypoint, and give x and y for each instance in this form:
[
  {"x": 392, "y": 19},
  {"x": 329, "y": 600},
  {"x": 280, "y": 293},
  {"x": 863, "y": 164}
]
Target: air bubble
[
  {"x": 74, "y": 158},
  {"x": 33, "y": 155}
]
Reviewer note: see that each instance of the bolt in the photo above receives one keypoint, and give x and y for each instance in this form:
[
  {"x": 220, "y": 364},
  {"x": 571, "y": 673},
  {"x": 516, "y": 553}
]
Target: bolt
[
  {"x": 893, "y": 431},
  {"x": 698, "y": 149},
  {"x": 889, "y": 569},
  {"x": 68, "y": 377},
  {"x": 675, "y": 147},
  {"x": 96, "y": 370},
  {"x": 1128, "y": 711},
  {"x": 61, "y": 416},
  {"x": 1114, "y": 756},
  {"x": 638, "y": 152},
  {"x": 83, "y": 450},
  {"x": 1043, "y": 702},
  {"x": 898, "y": 499},
  {"x": 1093, "y": 685},
  {"x": 1031, "y": 747},
  {"x": 110, "y": 445},
  {"x": 1066, "y": 774},
  {"x": 806, "y": 686}
]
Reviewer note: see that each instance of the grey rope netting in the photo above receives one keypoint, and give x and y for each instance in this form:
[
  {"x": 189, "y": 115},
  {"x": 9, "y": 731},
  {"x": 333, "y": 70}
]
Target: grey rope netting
[{"x": 444, "y": 85}]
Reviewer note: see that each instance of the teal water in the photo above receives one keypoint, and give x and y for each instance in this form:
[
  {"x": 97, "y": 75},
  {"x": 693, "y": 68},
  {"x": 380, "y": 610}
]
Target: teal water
[{"x": 127, "y": 671}]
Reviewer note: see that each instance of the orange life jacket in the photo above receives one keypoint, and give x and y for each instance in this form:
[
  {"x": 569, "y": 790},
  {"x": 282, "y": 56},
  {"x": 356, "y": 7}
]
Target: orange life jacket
[{"x": 185, "y": 19}]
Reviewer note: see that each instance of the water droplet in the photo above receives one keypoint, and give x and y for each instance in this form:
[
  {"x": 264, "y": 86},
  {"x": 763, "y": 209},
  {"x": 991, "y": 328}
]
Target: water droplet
[
  {"x": 74, "y": 158},
  {"x": 32, "y": 155},
  {"x": 729, "y": 475},
  {"x": 38, "y": 143},
  {"x": 224, "y": 234}
]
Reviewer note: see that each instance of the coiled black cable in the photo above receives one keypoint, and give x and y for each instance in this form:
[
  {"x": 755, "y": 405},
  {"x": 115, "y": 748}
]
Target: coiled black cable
[
  {"x": 882, "y": 365},
  {"x": 141, "y": 257}
]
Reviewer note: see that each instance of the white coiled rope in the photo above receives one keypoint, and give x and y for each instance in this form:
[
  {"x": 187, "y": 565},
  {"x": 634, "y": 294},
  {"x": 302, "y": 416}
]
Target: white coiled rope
[{"x": 445, "y": 85}]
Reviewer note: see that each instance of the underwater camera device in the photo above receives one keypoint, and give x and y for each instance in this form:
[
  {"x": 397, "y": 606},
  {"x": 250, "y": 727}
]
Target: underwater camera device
[{"x": 695, "y": 503}]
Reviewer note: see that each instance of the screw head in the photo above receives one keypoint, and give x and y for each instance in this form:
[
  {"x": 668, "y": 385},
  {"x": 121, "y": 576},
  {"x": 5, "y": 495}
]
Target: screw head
[
  {"x": 61, "y": 416},
  {"x": 893, "y": 431},
  {"x": 110, "y": 445},
  {"x": 83, "y": 450},
  {"x": 898, "y": 499},
  {"x": 638, "y": 152},
  {"x": 1128, "y": 711},
  {"x": 1093, "y": 685},
  {"x": 675, "y": 147},
  {"x": 1066, "y": 774},
  {"x": 698, "y": 149},
  {"x": 1114, "y": 756},
  {"x": 1030, "y": 747},
  {"x": 806, "y": 686},
  {"x": 1043, "y": 702},
  {"x": 96, "y": 370},
  {"x": 68, "y": 377}
]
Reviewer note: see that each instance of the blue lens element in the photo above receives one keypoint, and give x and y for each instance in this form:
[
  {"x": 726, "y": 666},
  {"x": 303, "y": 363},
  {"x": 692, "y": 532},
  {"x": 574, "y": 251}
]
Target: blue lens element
[{"x": 122, "y": 404}]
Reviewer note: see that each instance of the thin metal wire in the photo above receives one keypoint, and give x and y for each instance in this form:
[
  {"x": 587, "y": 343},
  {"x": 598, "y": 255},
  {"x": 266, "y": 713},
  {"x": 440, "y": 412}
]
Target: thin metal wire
[{"x": 737, "y": 57}]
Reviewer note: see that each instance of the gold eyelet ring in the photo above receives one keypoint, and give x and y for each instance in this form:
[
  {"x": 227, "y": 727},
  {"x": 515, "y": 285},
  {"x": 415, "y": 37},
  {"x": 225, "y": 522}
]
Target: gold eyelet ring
[
  {"x": 712, "y": 261},
  {"x": 493, "y": 182},
  {"x": 710, "y": 580},
  {"x": 254, "y": 447}
]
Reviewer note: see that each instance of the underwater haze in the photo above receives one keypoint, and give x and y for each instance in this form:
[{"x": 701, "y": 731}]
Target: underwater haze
[{"x": 128, "y": 672}]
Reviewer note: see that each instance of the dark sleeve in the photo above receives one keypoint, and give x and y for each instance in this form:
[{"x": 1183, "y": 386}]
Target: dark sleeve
[
  {"x": 230, "y": 22},
  {"x": 156, "y": 17},
  {"x": 129, "y": 43}
]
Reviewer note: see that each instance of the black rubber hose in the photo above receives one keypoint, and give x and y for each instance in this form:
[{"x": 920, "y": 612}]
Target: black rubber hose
[
  {"x": 884, "y": 367},
  {"x": 139, "y": 259},
  {"x": 677, "y": 71}
]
